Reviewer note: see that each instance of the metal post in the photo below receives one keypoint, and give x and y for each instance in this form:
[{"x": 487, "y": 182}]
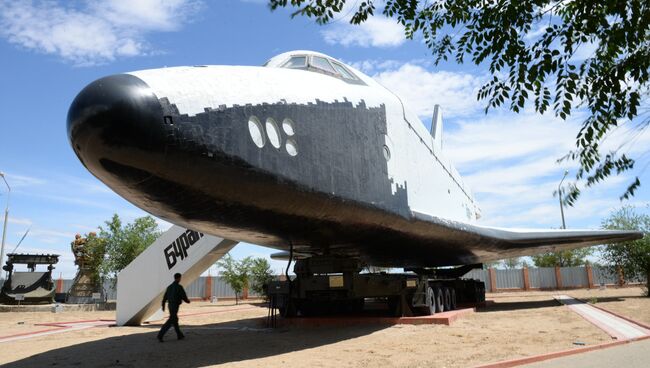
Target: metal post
[
  {"x": 4, "y": 227},
  {"x": 559, "y": 194}
]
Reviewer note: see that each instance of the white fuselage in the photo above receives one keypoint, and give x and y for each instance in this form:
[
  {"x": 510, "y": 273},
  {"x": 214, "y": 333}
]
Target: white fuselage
[{"x": 416, "y": 161}]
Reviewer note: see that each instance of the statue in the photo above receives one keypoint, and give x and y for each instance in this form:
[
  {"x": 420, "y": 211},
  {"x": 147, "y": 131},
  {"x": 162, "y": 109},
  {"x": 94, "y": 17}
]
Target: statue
[{"x": 88, "y": 255}]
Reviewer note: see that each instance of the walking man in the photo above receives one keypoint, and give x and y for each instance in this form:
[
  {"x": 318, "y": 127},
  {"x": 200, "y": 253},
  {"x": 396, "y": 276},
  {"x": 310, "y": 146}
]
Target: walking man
[{"x": 175, "y": 295}]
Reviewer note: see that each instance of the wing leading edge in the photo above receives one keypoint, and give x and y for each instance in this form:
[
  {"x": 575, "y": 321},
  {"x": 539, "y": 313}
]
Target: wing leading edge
[{"x": 493, "y": 243}]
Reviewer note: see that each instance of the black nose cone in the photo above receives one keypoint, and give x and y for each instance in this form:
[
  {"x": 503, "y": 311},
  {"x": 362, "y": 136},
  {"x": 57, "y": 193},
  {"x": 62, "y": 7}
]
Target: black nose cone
[{"x": 117, "y": 120}]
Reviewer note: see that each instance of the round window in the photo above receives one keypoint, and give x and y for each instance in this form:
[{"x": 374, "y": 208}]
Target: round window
[
  {"x": 273, "y": 132},
  {"x": 256, "y": 131},
  {"x": 386, "y": 153},
  {"x": 291, "y": 147},
  {"x": 287, "y": 126}
]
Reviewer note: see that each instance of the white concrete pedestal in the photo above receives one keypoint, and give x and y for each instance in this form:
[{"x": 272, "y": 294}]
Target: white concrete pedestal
[{"x": 141, "y": 284}]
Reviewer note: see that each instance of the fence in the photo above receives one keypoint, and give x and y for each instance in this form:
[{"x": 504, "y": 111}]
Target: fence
[
  {"x": 543, "y": 278},
  {"x": 548, "y": 278},
  {"x": 201, "y": 288}
]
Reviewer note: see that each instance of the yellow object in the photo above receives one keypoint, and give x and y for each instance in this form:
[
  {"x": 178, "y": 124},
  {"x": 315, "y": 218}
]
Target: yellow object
[{"x": 336, "y": 281}]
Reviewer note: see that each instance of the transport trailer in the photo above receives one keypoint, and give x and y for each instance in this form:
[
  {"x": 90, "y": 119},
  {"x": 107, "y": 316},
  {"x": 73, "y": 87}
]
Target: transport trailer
[{"x": 327, "y": 285}]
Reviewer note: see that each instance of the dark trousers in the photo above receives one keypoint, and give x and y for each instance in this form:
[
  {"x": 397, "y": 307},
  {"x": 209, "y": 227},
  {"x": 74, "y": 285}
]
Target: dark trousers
[{"x": 172, "y": 321}]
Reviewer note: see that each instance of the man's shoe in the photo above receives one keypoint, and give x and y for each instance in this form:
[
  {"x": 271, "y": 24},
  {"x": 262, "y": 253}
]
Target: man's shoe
[
  {"x": 181, "y": 337},
  {"x": 160, "y": 338}
]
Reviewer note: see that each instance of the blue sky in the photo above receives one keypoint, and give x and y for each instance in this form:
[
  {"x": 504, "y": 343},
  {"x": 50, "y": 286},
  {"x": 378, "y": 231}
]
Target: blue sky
[{"x": 51, "y": 50}]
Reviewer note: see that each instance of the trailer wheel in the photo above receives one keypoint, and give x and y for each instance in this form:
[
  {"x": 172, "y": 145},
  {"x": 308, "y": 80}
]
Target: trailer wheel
[
  {"x": 446, "y": 298},
  {"x": 440, "y": 306},
  {"x": 453, "y": 298},
  {"x": 431, "y": 302}
]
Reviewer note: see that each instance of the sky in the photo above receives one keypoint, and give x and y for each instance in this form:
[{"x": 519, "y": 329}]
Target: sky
[{"x": 50, "y": 50}]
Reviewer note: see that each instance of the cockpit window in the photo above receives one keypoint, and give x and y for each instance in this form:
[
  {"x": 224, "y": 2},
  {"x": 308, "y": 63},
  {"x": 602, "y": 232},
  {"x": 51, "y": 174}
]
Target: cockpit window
[
  {"x": 344, "y": 72},
  {"x": 296, "y": 62},
  {"x": 322, "y": 63}
]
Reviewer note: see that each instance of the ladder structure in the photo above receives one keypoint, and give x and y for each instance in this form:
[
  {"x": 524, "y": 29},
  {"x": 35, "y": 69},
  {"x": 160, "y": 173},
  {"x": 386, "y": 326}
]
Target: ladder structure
[{"x": 141, "y": 284}]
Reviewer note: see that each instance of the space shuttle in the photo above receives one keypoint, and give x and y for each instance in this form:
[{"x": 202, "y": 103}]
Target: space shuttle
[{"x": 304, "y": 154}]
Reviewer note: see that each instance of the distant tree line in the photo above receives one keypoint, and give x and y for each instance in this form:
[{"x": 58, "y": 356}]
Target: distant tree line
[
  {"x": 254, "y": 273},
  {"x": 630, "y": 259}
]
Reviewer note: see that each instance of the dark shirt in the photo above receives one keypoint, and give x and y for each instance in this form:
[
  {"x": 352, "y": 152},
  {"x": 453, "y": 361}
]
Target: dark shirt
[{"x": 175, "y": 294}]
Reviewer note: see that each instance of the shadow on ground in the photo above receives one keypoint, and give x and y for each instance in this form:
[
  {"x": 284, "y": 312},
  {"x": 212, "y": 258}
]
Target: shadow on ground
[
  {"x": 598, "y": 299},
  {"x": 510, "y": 306},
  {"x": 204, "y": 345},
  {"x": 520, "y": 305}
]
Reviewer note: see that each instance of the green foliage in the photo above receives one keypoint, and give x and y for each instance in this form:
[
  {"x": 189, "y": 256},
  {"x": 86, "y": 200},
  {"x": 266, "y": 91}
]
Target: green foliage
[
  {"x": 633, "y": 257},
  {"x": 95, "y": 248},
  {"x": 260, "y": 275},
  {"x": 236, "y": 273},
  {"x": 563, "y": 258},
  {"x": 530, "y": 47},
  {"x": 125, "y": 243}
]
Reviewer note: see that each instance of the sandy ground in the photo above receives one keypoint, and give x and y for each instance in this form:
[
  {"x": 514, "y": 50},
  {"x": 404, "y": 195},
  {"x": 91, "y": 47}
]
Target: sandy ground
[{"x": 516, "y": 325}]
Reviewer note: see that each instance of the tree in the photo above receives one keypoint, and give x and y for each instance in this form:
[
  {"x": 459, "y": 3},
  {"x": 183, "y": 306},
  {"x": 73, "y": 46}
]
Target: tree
[
  {"x": 235, "y": 273},
  {"x": 260, "y": 275},
  {"x": 95, "y": 248},
  {"x": 125, "y": 243},
  {"x": 511, "y": 263},
  {"x": 529, "y": 47},
  {"x": 563, "y": 258},
  {"x": 632, "y": 257}
]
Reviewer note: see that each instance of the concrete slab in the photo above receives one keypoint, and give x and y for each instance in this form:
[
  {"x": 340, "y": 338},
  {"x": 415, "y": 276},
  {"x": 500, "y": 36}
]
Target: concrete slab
[
  {"x": 56, "y": 328},
  {"x": 561, "y": 354},
  {"x": 618, "y": 328},
  {"x": 632, "y": 355},
  {"x": 65, "y": 307}
]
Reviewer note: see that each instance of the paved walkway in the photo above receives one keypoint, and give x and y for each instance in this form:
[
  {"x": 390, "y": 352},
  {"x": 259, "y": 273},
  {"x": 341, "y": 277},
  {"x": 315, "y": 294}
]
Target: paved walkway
[
  {"x": 632, "y": 355},
  {"x": 56, "y": 328},
  {"x": 616, "y": 327}
]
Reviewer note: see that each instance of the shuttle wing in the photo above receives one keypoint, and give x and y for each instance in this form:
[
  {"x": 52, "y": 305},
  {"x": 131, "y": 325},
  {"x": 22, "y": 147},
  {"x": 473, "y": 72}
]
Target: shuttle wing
[{"x": 484, "y": 243}]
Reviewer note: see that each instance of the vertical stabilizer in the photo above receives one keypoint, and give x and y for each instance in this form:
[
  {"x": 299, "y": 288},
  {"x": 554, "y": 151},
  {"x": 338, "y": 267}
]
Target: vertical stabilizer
[{"x": 436, "y": 127}]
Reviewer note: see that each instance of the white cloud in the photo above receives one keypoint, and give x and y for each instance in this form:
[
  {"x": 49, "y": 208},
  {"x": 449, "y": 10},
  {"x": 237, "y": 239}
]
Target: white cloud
[
  {"x": 422, "y": 89},
  {"x": 94, "y": 32},
  {"x": 374, "y": 66},
  {"x": 376, "y": 32},
  {"x": 502, "y": 135},
  {"x": 20, "y": 181},
  {"x": 19, "y": 221},
  {"x": 584, "y": 51},
  {"x": 50, "y": 236},
  {"x": 509, "y": 160}
]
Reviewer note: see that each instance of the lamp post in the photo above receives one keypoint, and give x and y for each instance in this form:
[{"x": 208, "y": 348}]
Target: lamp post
[
  {"x": 4, "y": 227},
  {"x": 559, "y": 194}
]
